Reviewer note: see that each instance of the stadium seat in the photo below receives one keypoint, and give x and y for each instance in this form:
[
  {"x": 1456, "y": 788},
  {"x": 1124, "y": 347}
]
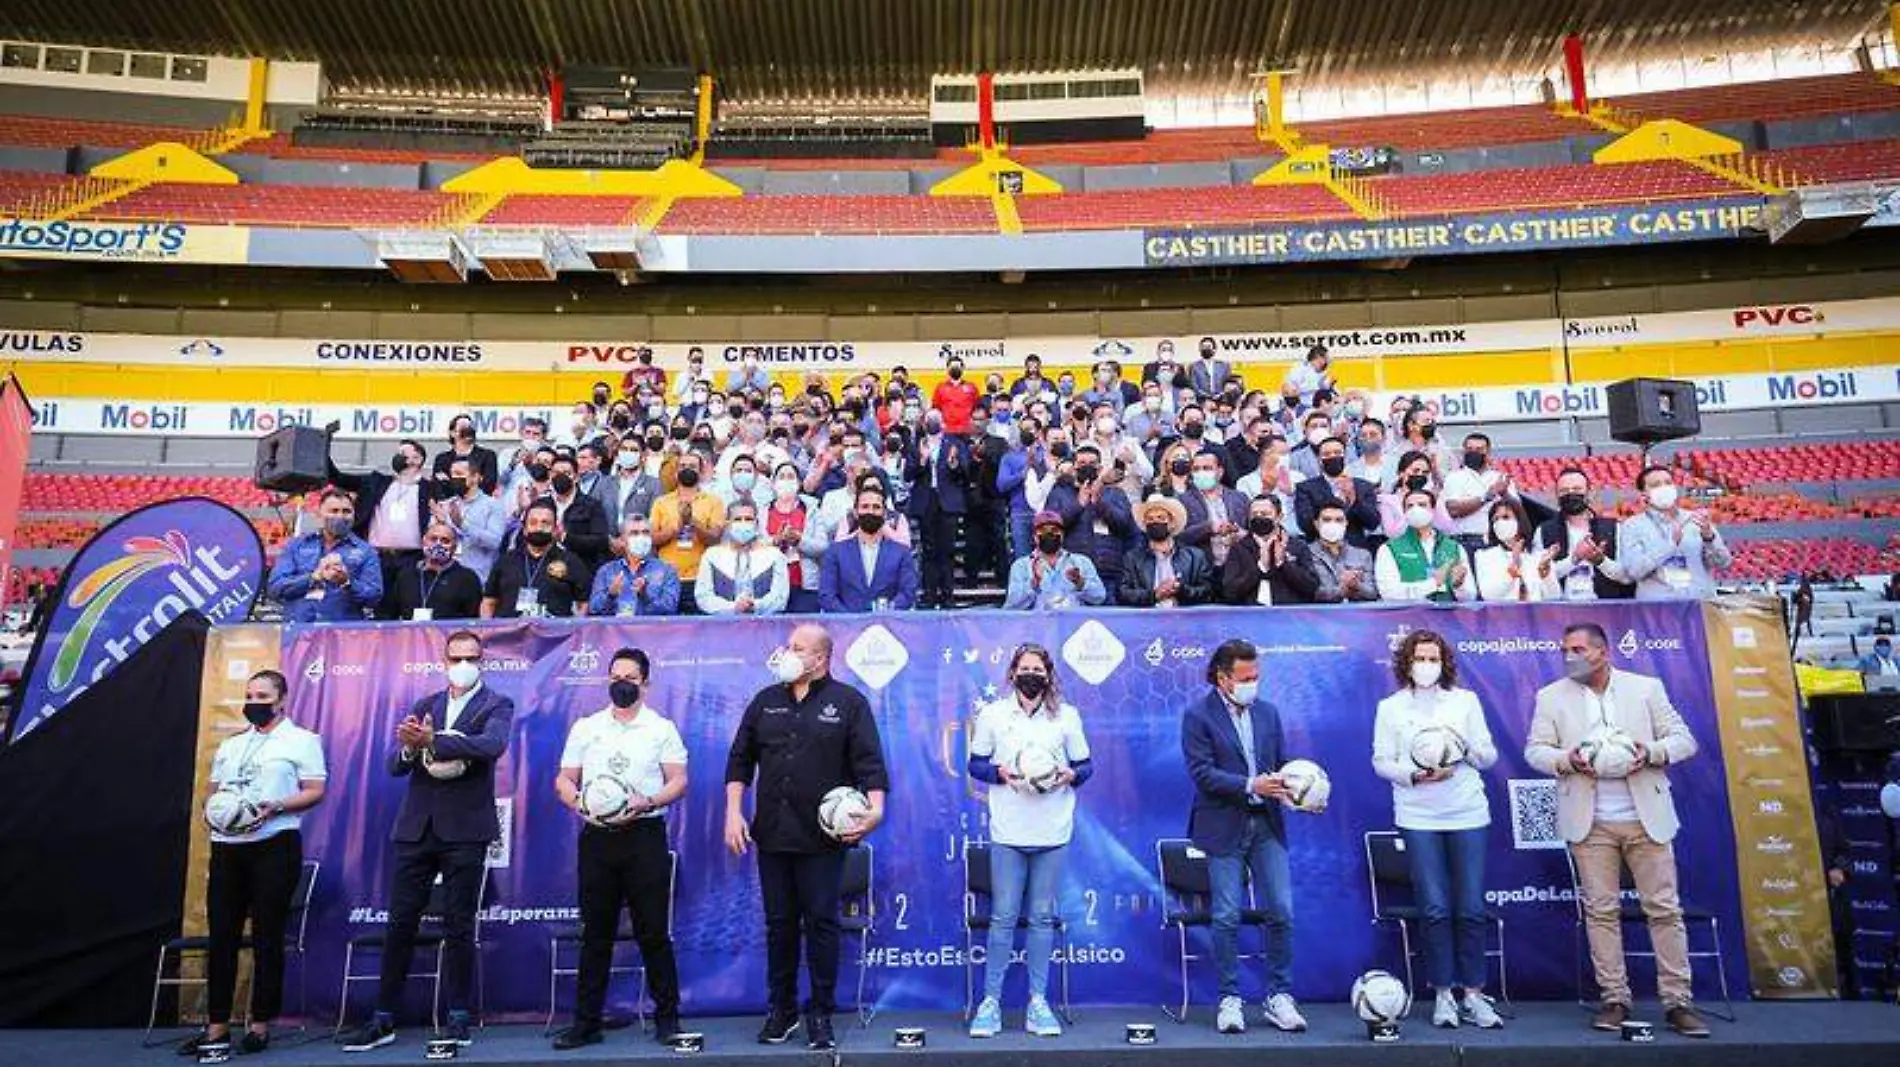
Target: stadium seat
[
  {"x": 832, "y": 214},
  {"x": 292, "y": 205},
  {"x": 1217, "y": 205},
  {"x": 1782, "y": 98},
  {"x": 534, "y": 210},
  {"x": 1547, "y": 187}
]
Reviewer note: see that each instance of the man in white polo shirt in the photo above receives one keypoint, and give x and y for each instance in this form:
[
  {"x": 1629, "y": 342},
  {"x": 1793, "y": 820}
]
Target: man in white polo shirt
[{"x": 623, "y": 859}]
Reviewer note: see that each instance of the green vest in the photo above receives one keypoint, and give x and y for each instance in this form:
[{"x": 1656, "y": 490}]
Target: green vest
[{"x": 1409, "y": 553}]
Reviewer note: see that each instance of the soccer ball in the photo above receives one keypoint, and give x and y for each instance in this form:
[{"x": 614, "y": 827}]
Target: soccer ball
[
  {"x": 839, "y": 810},
  {"x": 1307, "y": 786},
  {"x": 1437, "y": 747},
  {"x": 1378, "y": 998},
  {"x": 443, "y": 769},
  {"x": 605, "y": 797},
  {"x": 228, "y": 812},
  {"x": 1611, "y": 752},
  {"x": 1037, "y": 768}
]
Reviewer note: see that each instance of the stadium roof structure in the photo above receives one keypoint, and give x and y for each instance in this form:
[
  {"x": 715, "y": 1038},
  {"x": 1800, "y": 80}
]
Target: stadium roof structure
[{"x": 826, "y": 49}]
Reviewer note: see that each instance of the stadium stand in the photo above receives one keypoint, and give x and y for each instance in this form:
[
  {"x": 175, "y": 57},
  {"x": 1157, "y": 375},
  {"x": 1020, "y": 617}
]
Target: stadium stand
[
  {"x": 1783, "y": 98},
  {"x": 1180, "y": 207},
  {"x": 1492, "y": 190},
  {"x": 832, "y": 214},
  {"x": 532, "y": 210},
  {"x": 279, "y": 204},
  {"x": 1839, "y": 462}
]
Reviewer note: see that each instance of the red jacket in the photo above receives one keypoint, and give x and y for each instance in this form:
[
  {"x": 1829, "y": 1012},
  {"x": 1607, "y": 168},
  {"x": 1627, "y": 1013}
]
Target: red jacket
[{"x": 956, "y": 400}]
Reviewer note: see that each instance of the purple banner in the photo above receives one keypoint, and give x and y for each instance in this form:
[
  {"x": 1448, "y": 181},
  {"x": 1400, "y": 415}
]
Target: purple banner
[{"x": 1129, "y": 673}]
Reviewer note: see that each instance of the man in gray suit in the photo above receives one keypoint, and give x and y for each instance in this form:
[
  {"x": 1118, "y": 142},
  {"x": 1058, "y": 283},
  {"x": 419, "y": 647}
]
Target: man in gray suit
[
  {"x": 1670, "y": 552},
  {"x": 631, "y": 490},
  {"x": 1612, "y": 821},
  {"x": 1208, "y": 374}
]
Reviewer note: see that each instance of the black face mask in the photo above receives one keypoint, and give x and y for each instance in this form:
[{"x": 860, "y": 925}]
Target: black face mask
[
  {"x": 1158, "y": 531},
  {"x": 1193, "y": 431},
  {"x": 259, "y": 714},
  {"x": 466, "y": 433},
  {"x": 956, "y": 374},
  {"x": 538, "y": 538},
  {"x": 654, "y": 444},
  {"x": 538, "y": 472},
  {"x": 1059, "y": 450},
  {"x": 681, "y": 433},
  {"x": 1029, "y": 438},
  {"x": 1085, "y": 475},
  {"x": 1032, "y": 686},
  {"x": 563, "y": 484},
  {"x": 621, "y": 422},
  {"x": 893, "y": 446},
  {"x": 399, "y": 463},
  {"x": 1417, "y": 482},
  {"x": 1262, "y": 526},
  {"x": 1180, "y": 467},
  {"x": 1207, "y": 351},
  {"x": 1428, "y": 431},
  {"x": 1334, "y": 466},
  {"x": 689, "y": 477},
  {"x": 1474, "y": 461},
  {"x": 600, "y": 399},
  {"x": 870, "y": 522},
  {"x": 1049, "y": 542},
  {"x": 623, "y": 693},
  {"x": 1573, "y": 503}
]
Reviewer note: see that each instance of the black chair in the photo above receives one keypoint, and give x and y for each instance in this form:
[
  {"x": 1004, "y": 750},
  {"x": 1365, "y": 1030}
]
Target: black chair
[
  {"x": 857, "y": 914},
  {"x": 976, "y": 921},
  {"x": 1393, "y": 901},
  {"x": 294, "y": 930},
  {"x": 1631, "y": 912},
  {"x": 1188, "y": 904},
  {"x": 571, "y": 935},
  {"x": 429, "y": 935}
]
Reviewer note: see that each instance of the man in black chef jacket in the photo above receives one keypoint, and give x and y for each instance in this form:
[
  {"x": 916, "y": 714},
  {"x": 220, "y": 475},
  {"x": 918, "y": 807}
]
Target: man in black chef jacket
[{"x": 804, "y": 736}]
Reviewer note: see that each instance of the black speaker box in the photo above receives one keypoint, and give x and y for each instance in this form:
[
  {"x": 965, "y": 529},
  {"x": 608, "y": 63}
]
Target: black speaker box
[
  {"x": 1644, "y": 411},
  {"x": 1856, "y": 722},
  {"x": 295, "y": 459}
]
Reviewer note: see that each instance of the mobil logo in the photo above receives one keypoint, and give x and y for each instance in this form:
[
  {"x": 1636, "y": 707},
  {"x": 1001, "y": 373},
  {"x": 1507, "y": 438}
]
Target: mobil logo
[
  {"x": 1454, "y": 406},
  {"x": 142, "y": 417},
  {"x": 1821, "y": 385},
  {"x": 46, "y": 416},
  {"x": 1712, "y": 394},
  {"x": 608, "y": 353},
  {"x": 1779, "y": 315},
  {"x": 503, "y": 424},
  {"x": 1567, "y": 400},
  {"x": 248, "y": 420},
  {"x": 385, "y": 422}
]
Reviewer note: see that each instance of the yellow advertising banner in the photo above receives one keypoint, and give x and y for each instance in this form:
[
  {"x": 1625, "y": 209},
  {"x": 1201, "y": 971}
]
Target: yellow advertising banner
[
  {"x": 138, "y": 242},
  {"x": 1777, "y": 850}
]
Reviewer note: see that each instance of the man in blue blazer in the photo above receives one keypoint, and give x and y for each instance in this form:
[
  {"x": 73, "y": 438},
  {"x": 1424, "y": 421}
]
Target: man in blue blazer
[
  {"x": 867, "y": 571},
  {"x": 447, "y": 747},
  {"x": 1232, "y": 742},
  {"x": 940, "y": 470}
]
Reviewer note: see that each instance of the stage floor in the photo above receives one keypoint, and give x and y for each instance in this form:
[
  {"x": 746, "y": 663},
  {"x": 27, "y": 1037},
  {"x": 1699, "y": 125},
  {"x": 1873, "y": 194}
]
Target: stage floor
[{"x": 1550, "y": 1035}]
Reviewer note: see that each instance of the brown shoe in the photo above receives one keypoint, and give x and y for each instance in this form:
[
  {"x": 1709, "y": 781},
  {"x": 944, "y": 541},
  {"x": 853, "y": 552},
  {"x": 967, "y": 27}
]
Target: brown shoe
[
  {"x": 1686, "y": 1022},
  {"x": 1611, "y": 1017}
]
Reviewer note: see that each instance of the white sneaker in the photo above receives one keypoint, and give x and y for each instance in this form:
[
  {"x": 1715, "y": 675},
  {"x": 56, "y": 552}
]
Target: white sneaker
[
  {"x": 1233, "y": 1016},
  {"x": 1284, "y": 1014},
  {"x": 1445, "y": 1010},
  {"x": 1477, "y": 1011}
]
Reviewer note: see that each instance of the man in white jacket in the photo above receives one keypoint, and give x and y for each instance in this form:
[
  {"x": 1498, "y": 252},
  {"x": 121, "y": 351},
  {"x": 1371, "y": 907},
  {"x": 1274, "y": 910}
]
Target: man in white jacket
[{"x": 742, "y": 575}]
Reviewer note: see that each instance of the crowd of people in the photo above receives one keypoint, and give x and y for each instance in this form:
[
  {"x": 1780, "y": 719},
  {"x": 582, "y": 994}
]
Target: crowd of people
[{"x": 1173, "y": 487}]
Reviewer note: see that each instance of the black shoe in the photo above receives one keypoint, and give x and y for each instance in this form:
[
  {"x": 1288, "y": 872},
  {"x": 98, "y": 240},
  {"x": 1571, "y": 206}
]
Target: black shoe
[
  {"x": 457, "y": 1029},
  {"x": 253, "y": 1042},
  {"x": 666, "y": 1028},
  {"x": 818, "y": 1033},
  {"x": 779, "y": 1026},
  {"x": 196, "y": 1043},
  {"x": 579, "y": 1035},
  {"x": 372, "y": 1035}
]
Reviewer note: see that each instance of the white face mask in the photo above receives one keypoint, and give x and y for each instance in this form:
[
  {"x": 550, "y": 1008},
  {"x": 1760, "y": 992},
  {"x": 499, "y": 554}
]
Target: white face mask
[
  {"x": 786, "y": 488},
  {"x": 464, "y": 675},
  {"x": 1506, "y": 529},
  {"x": 1425, "y": 673},
  {"x": 1105, "y": 426},
  {"x": 1332, "y": 532},
  {"x": 1662, "y": 497},
  {"x": 1317, "y": 434},
  {"x": 1245, "y": 693},
  {"x": 1418, "y": 516},
  {"x": 787, "y": 667}
]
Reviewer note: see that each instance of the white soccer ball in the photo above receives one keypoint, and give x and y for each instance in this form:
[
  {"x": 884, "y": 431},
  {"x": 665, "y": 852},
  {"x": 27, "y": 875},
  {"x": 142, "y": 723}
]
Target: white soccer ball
[
  {"x": 1437, "y": 747},
  {"x": 1037, "y": 768},
  {"x": 1379, "y": 998},
  {"x": 1611, "y": 752},
  {"x": 1890, "y": 800},
  {"x": 443, "y": 769},
  {"x": 605, "y": 797},
  {"x": 230, "y": 812},
  {"x": 838, "y": 812},
  {"x": 1308, "y": 788}
]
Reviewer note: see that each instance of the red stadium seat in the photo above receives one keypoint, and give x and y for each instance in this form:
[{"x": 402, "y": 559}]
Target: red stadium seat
[{"x": 832, "y": 214}]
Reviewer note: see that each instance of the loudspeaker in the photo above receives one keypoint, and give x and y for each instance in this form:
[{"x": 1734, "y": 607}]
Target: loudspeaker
[
  {"x": 295, "y": 459},
  {"x": 1856, "y": 722},
  {"x": 1644, "y": 411}
]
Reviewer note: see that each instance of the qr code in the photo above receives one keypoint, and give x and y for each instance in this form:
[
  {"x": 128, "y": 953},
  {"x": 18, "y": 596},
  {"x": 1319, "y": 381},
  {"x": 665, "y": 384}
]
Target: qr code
[{"x": 1534, "y": 814}]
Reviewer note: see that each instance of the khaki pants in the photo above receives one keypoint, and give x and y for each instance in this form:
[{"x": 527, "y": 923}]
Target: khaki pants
[{"x": 1600, "y": 858}]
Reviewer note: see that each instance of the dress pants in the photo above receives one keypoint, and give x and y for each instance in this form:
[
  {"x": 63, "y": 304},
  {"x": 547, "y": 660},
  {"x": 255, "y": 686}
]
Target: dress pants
[
  {"x": 1600, "y": 857},
  {"x": 938, "y": 556},
  {"x": 410, "y": 884},
  {"x": 625, "y": 868},
  {"x": 254, "y": 880},
  {"x": 800, "y": 890}
]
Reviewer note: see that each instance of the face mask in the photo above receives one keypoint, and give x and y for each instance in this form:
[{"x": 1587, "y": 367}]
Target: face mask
[
  {"x": 464, "y": 675},
  {"x": 787, "y": 667},
  {"x": 438, "y": 554},
  {"x": 621, "y": 421},
  {"x": 1506, "y": 529},
  {"x": 1029, "y": 438},
  {"x": 563, "y": 484},
  {"x": 1180, "y": 467},
  {"x": 1418, "y": 481},
  {"x": 1425, "y": 673},
  {"x": 742, "y": 533},
  {"x": 1262, "y": 526},
  {"x": 1474, "y": 461},
  {"x": 623, "y": 693},
  {"x": 640, "y": 546},
  {"x": 259, "y": 714},
  {"x": 1573, "y": 503},
  {"x": 785, "y": 488},
  {"x": 744, "y": 480},
  {"x": 1370, "y": 448},
  {"x": 1662, "y": 498},
  {"x": 1205, "y": 480},
  {"x": 1105, "y": 426},
  {"x": 1354, "y": 409},
  {"x": 689, "y": 477},
  {"x": 776, "y": 400},
  {"x": 600, "y": 397},
  {"x": 1332, "y": 532},
  {"x": 716, "y": 408},
  {"x": 1883, "y": 650},
  {"x": 399, "y": 463},
  {"x": 681, "y": 433},
  {"x": 337, "y": 525},
  {"x": 627, "y": 461},
  {"x": 1207, "y": 353},
  {"x": 1317, "y": 434},
  {"x": 1193, "y": 431},
  {"x": 1049, "y": 542},
  {"x": 1418, "y": 516},
  {"x": 1245, "y": 693},
  {"x": 538, "y": 472},
  {"x": 1159, "y": 531},
  {"x": 870, "y": 523},
  {"x": 1428, "y": 431},
  {"x": 1578, "y": 668},
  {"x": 538, "y": 538},
  {"x": 1032, "y": 686},
  {"x": 956, "y": 374},
  {"x": 933, "y": 426},
  {"x": 1085, "y": 475},
  {"x": 1333, "y": 466},
  {"x": 1059, "y": 450},
  {"x": 1065, "y": 389}
]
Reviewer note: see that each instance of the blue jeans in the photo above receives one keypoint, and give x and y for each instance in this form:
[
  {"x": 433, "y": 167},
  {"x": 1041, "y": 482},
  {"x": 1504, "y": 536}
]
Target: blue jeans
[
  {"x": 1012, "y": 872},
  {"x": 1022, "y": 534},
  {"x": 1448, "y": 887},
  {"x": 1262, "y": 859}
]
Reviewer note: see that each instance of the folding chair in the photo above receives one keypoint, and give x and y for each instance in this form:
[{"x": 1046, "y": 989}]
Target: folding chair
[
  {"x": 1390, "y": 872},
  {"x": 571, "y": 935},
  {"x": 857, "y": 909},
  {"x": 429, "y": 935},
  {"x": 1632, "y": 913},
  {"x": 976, "y": 922},
  {"x": 1188, "y": 904},
  {"x": 297, "y": 925}
]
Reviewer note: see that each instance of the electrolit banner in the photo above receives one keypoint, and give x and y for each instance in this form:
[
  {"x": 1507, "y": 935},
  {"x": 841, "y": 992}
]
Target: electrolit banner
[
  {"x": 1129, "y": 673},
  {"x": 128, "y": 583}
]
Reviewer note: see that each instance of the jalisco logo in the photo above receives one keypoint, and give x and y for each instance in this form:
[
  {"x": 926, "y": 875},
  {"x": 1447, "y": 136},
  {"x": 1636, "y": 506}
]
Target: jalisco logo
[{"x": 198, "y": 575}]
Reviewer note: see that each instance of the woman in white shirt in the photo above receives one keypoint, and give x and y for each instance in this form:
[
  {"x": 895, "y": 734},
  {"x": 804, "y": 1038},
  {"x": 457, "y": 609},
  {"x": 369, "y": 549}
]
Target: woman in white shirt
[
  {"x": 1509, "y": 568},
  {"x": 1030, "y": 827},
  {"x": 1444, "y": 818}
]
